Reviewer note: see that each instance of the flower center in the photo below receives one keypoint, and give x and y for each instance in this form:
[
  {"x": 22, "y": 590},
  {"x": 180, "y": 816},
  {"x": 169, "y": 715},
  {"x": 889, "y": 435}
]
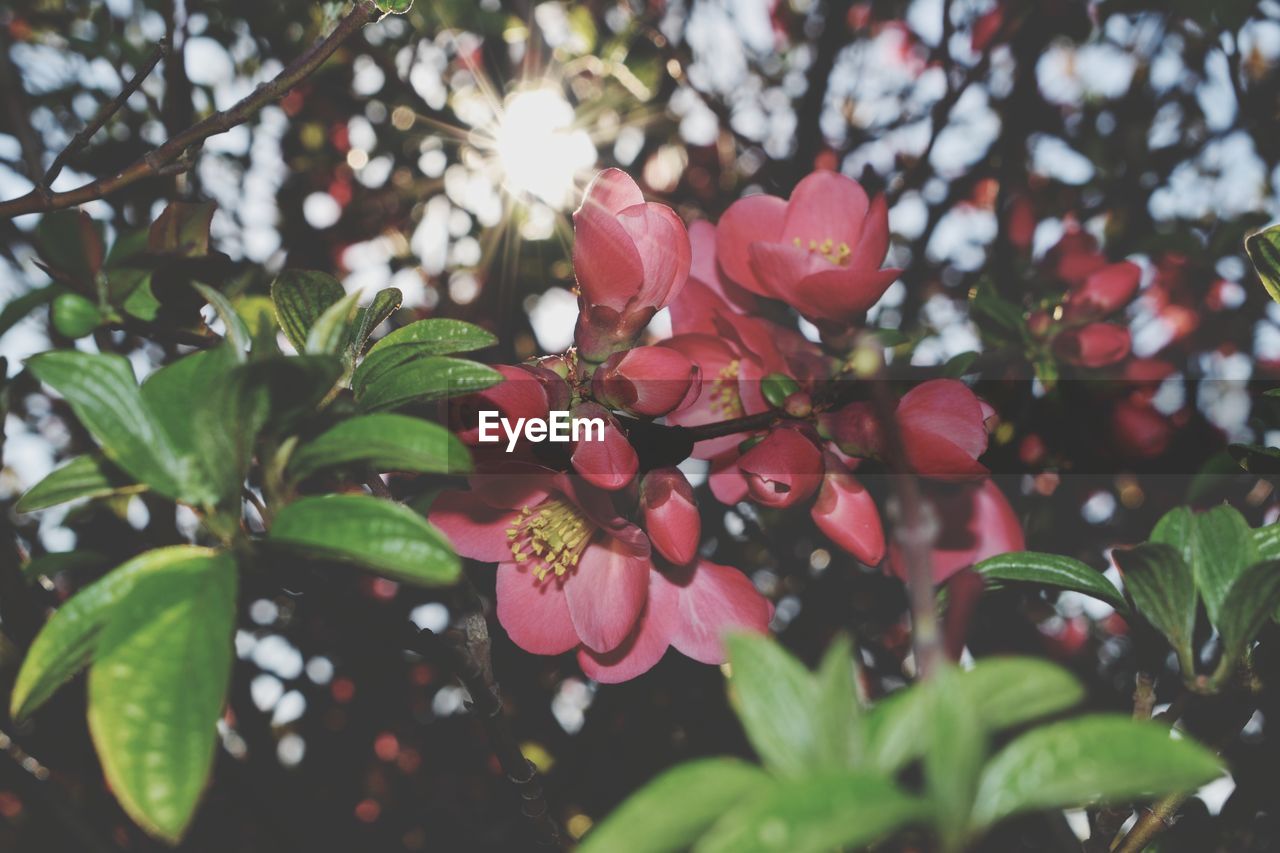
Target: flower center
[
  {"x": 550, "y": 538},
  {"x": 725, "y": 399},
  {"x": 836, "y": 254}
]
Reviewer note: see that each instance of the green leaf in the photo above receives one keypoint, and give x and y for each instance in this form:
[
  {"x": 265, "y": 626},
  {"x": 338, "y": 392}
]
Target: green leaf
[
  {"x": 422, "y": 339},
  {"x": 374, "y": 534},
  {"x": 1097, "y": 758},
  {"x": 777, "y": 387},
  {"x": 394, "y": 7},
  {"x": 837, "y": 714},
  {"x": 332, "y": 329},
  {"x": 88, "y": 476},
  {"x": 301, "y": 296},
  {"x": 1052, "y": 570},
  {"x": 985, "y": 300},
  {"x": 672, "y": 810},
  {"x": 1004, "y": 692},
  {"x": 1263, "y": 248},
  {"x": 70, "y": 243},
  {"x": 385, "y": 302},
  {"x": 237, "y": 332},
  {"x": 957, "y": 746},
  {"x": 103, "y": 393},
  {"x": 182, "y": 230},
  {"x": 75, "y": 562},
  {"x": 388, "y": 443},
  {"x": 814, "y": 815},
  {"x": 958, "y": 365},
  {"x": 1163, "y": 590},
  {"x": 424, "y": 380},
  {"x": 157, "y": 687},
  {"x": 1250, "y": 601},
  {"x": 1267, "y": 540},
  {"x": 66, "y": 642},
  {"x": 1217, "y": 545},
  {"x": 774, "y": 696},
  {"x": 17, "y": 309}
]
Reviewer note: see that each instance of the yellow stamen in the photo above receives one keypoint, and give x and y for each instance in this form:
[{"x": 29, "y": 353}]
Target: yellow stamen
[
  {"x": 837, "y": 254},
  {"x": 725, "y": 399},
  {"x": 550, "y": 538}
]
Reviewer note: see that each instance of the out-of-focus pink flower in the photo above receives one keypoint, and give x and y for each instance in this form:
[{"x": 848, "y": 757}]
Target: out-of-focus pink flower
[
  {"x": 985, "y": 29},
  {"x": 608, "y": 463},
  {"x": 1093, "y": 345},
  {"x": 784, "y": 468},
  {"x": 1103, "y": 292},
  {"x": 630, "y": 258},
  {"x": 708, "y": 292},
  {"x": 648, "y": 381},
  {"x": 1021, "y": 222},
  {"x": 977, "y": 523},
  {"x": 521, "y": 394},
  {"x": 847, "y": 514},
  {"x": 670, "y": 514},
  {"x": 570, "y": 570},
  {"x": 943, "y": 429},
  {"x": 1138, "y": 431},
  {"x": 819, "y": 252},
  {"x": 1075, "y": 256},
  {"x": 690, "y": 609},
  {"x": 1144, "y": 376}
]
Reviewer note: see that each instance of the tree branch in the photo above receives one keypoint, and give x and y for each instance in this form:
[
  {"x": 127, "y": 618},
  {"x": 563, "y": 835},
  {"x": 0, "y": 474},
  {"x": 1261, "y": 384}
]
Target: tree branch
[
  {"x": 155, "y": 162},
  {"x": 104, "y": 114}
]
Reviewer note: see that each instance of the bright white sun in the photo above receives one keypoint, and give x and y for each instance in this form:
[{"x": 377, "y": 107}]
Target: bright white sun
[{"x": 539, "y": 151}]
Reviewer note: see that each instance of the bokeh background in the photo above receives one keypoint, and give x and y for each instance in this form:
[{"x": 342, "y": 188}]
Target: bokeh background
[{"x": 443, "y": 151}]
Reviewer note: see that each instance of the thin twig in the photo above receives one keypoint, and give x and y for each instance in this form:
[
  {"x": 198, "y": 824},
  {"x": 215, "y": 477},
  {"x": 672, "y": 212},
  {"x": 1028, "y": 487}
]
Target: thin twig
[
  {"x": 11, "y": 91},
  {"x": 465, "y": 651},
  {"x": 154, "y": 162},
  {"x": 104, "y": 114}
]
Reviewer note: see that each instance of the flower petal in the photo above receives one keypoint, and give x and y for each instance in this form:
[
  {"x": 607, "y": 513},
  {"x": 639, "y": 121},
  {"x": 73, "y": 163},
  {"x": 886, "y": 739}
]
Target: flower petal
[
  {"x": 474, "y": 528},
  {"x": 748, "y": 220},
  {"x": 712, "y": 600},
  {"x": 607, "y": 593},
  {"x": 826, "y": 205},
  {"x": 646, "y": 644},
  {"x": 535, "y": 615}
]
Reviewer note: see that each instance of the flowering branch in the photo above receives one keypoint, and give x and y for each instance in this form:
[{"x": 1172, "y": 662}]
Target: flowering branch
[{"x": 174, "y": 154}]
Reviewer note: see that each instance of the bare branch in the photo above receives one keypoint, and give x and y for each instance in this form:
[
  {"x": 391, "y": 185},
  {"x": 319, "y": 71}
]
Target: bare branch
[{"x": 155, "y": 162}]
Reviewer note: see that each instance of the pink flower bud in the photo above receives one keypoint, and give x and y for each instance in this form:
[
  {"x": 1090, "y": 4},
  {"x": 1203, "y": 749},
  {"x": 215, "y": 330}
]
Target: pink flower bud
[
  {"x": 943, "y": 428},
  {"x": 609, "y": 463},
  {"x": 648, "y": 381},
  {"x": 847, "y": 514},
  {"x": 670, "y": 514},
  {"x": 854, "y": 429},
  {"x": 630, "y": 259},
  {"x": 1103, "y": 292},
  {"x": 1094, "y": 345},
  {"x": 785, "y": 467}
]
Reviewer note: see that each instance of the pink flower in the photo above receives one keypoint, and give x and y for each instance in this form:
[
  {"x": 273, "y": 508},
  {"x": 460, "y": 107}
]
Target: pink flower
[
  {"x": 1075, "y": 256},
  {"x": 521, "y": 394},
  {"x": 977, "y": 523},
  {"x": 670, "y": 514},
  {"x": 1103, "y": 292},
  {"x": 847, "y": 514},
  {"x": 647, "y": 381},
  {"x": 943, "y": 429},
  {"x": 819, "y": 252},
  {"x": 571, "y": 571},
  {"x": 630, "y": 258},
  {"x": 689, "y": 608},
  {"x": 708, "y": 291},
  {"x": 1094, "y": 345},
  {"x": 730, "y": 388},
  {"x": 783, "y": 469},
  {"x": 610, "y": 462},
  {"x": 1138, "y": 430}
]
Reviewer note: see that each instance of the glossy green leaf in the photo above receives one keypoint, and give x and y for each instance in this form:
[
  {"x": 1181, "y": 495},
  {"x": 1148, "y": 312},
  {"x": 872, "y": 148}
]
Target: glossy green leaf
[
  {"x": 1263, "y": 248},
  {"x": 1250, "y": 601},
  {"x": 103, "y": 393},
  {"x": 672, "y": 810},
  {"x": 422, "y": 339},
  {"x": 330, "y": 332},
  {"x": 237, "y": 332},
  {"x": 384, "y": 304},
  {"x": 157, "y": 687},
  {"x": 1163, "y": 590},
  {"x": 424, "y": 380},
  {"x": 1267, "y": 541},
  {"x": 385, "y": 441},
  {"x": 301, "y": 296},
  {"x": 814, "y": 815},
  {"x": 1052, "y": 570},
  {"x": 371, "y": 533},
  {"x": 65, "y": 644},
  {"x": 88, "y": 476},
  {"x": 1098, "y": 758},
  {"x": 1004, "y": 692},
  {"x": 1222, "y": 548},
  {"x": 775, "y": 698}
]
